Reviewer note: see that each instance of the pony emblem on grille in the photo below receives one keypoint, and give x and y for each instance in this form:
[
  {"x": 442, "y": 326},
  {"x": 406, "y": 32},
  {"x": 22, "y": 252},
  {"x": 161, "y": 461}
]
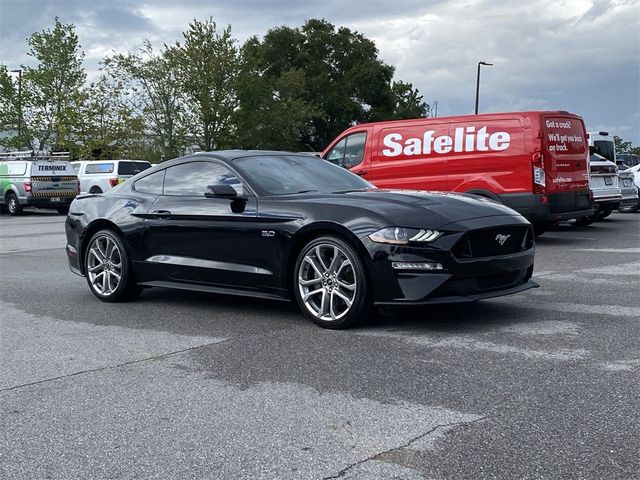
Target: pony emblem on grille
[{"x": 501, "y": 239}]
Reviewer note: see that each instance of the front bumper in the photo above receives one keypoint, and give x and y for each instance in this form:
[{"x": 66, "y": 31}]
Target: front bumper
[{"x": 460, "y": 280}]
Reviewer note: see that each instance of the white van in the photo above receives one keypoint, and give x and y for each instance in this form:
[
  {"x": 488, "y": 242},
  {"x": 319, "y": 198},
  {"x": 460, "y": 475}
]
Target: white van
[{"x": 98, "y": 176}]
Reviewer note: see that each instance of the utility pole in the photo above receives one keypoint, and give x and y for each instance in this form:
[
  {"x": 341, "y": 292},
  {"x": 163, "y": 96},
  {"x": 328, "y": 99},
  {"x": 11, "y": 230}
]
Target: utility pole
[{"x": 478, "y": 83}]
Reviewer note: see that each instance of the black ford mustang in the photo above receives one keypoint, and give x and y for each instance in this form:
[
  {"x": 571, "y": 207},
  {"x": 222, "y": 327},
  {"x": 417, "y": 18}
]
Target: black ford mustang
[{"x": 282, "y": 226}]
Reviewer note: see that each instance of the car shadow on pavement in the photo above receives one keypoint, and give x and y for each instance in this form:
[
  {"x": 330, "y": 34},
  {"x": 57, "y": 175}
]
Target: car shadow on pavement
[
  {"x": 468, "y": 317},
  {"x": 454, "y": 318}
]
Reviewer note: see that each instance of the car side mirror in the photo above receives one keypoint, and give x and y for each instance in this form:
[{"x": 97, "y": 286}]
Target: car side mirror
[{"x": 220, "y": 191}]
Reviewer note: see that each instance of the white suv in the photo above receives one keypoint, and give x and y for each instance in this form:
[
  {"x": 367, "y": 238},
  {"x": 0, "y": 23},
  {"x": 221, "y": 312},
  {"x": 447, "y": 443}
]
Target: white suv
[{"x": 98, "y": 176}]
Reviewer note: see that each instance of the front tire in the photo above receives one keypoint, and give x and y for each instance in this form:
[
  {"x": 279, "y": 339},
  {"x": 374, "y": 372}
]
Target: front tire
[
  {"x": 13, "y": 206},
  {"x": 108, "y": 268},
  {"x": 330, "y": 283}
]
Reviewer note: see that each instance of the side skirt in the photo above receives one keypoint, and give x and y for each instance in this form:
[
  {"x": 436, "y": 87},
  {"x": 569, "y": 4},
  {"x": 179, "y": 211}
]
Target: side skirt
[{"x": 210, "y": 289}]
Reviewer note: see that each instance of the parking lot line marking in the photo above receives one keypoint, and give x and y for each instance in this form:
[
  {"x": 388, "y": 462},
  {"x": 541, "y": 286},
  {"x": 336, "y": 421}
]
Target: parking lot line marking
[
  {"x": 471, "y": 343},
  {"x": 610, "y": 250},
  {"x": 614, "y": 310}
]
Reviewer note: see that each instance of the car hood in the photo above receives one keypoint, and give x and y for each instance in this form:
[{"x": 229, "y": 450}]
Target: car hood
[{"x": 415, "y": 208}]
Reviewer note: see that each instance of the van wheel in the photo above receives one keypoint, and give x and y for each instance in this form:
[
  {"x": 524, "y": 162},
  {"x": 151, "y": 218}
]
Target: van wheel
[
  {"x": 604, "y": 213},
  {"x": 13, "y": 206},
  {"x": 108, "y": 268},
  {"x": 95, "y": 190},
  {"x": 330, "y": 283}
]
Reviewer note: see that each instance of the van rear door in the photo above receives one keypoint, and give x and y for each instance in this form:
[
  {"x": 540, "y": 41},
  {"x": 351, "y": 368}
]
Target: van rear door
[
  {"x": 53, "y": 179},
  {"x": 565, "y": 149}
]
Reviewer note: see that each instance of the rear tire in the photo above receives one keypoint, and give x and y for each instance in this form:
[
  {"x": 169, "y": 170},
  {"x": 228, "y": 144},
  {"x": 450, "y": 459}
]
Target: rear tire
[
  {"x": 108, "y": 269},
  {"x": 95, "y": 190},
  {"x": 13, "y": 206},
  {"x": 604, "y": 213},
  {"x": 330, "y": 283}
]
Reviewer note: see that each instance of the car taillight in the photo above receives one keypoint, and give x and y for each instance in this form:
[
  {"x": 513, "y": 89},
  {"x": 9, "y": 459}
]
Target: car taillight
[
  {"x": 113, "y": 182},
  {"x": 539, "y": 180},
  {"x": 27, "y": 187}
]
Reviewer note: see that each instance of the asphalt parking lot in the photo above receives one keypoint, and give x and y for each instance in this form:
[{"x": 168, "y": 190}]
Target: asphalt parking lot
[{"x": 544, "y": 384}]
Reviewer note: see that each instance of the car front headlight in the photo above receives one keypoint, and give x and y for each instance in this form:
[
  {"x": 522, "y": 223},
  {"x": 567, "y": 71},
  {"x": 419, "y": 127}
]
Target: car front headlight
[{"x": 402, "y": 236}]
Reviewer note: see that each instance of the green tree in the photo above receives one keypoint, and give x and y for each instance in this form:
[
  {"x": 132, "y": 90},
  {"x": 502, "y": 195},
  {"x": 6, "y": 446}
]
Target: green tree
[
  {"x": 621, "y": 145},
  {"x": 343, "y": 80},
  {"x": 109, "y": 126},
  {"x": 273, "y": 110},
  {"x": 52, "y": 91},
  {"x": 408, "y": 102},
  {"x": 10, "y": 111},
  {"x": 207, "y": 67},
  {"x": 151, "y": 81}
]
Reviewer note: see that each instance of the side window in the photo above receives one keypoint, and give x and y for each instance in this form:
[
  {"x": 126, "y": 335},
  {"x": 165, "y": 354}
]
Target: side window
[
  {"x": 99, "y": 168},
  {"x": 192, "y": 179},
  {"x": 151, "y": 183},
  {"x": 16, "y": 168},
  {"x": 336, "y": 154},
  {"x": 354, "y": 150},
  {"x": 349, "y": 152}
]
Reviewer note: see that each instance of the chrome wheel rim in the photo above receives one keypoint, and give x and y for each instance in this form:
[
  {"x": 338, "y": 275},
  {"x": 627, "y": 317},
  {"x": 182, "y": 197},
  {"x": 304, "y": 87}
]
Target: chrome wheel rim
[
  {"x": 104, "y": 265},
  {"x": 12, "y": 204},
  {"x": 327, "y": 282}
]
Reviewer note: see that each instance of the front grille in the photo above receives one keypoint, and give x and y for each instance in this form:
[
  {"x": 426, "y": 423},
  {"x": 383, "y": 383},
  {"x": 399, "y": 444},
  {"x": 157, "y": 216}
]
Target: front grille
[{"x": 495, "y": 241}]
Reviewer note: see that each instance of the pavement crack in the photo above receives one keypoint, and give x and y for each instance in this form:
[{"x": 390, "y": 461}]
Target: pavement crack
[
  {"x": 109, "y": 367},
  {"x": 376, "y": 456}
]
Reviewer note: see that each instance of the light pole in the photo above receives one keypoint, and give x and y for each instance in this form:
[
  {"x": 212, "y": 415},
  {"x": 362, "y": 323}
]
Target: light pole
[
  {"x": 19, "y": 72},
  {"x": 478, "y": 83}
]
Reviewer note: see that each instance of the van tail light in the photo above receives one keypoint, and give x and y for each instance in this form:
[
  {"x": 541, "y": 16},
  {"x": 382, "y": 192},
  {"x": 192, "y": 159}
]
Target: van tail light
[
  {"x": 539, "y": 180},
  {"x": 113, "y": 182},
  {"x": 27, "y": 187}
]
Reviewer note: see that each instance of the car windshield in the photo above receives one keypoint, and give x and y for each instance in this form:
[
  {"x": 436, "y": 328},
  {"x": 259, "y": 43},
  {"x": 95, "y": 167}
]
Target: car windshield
[{"x": 289, "y": 174}]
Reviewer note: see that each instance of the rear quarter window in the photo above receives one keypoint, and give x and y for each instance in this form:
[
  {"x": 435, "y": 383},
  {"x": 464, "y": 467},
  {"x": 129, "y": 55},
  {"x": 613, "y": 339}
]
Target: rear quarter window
[
  {"x": 132, "y": 168},
  {"x": 99, "y": 168},
  {"x": 152, "y": 184}
]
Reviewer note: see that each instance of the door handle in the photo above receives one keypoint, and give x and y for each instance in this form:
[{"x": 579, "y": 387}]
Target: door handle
[
  {"x": 362, "y": 173},
  {"x": 161, "y": 214}
]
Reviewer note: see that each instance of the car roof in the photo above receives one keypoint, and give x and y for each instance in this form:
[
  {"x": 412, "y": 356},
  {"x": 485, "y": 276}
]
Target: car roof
[{"x": 235, "y": 154}]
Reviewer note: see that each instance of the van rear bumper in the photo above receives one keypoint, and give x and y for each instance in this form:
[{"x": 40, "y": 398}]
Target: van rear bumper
[{"x": 550, "y": 208}]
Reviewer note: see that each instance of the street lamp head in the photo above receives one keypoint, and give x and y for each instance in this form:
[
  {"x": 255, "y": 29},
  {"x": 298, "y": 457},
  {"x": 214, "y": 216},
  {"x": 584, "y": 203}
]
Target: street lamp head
[{"x": 485, "y": 63}]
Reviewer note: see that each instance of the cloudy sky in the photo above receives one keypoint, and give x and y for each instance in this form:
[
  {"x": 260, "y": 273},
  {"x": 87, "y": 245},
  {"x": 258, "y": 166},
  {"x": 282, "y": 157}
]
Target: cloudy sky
[{"x": 576, "y": 55}]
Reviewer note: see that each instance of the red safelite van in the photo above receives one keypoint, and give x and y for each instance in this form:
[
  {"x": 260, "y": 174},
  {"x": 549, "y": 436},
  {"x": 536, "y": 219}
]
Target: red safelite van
[{"x": 534, "y": 162}]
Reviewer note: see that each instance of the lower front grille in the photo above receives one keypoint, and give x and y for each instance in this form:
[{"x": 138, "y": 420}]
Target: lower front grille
[
  {"x": 495, "y": 241},
  {"x": 457, "y": 286}
]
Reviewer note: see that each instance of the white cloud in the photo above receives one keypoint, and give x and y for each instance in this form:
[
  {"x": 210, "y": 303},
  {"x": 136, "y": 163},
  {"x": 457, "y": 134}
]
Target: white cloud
[{"x": 577, "y": 55}]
